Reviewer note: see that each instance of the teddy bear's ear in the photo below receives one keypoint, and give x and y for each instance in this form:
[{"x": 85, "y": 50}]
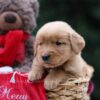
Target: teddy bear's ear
[
  {"x": 77, "y": 42},
  {"x": 35, "y": 6}
]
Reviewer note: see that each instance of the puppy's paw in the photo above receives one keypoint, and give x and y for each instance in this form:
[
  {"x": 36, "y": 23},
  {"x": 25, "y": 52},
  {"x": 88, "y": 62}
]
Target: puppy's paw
[
  {"x": 33, "y": 76},
  {"x": 50, "y": 84}
]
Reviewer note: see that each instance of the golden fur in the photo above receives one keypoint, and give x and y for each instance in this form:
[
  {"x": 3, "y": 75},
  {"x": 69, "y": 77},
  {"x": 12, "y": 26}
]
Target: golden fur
[{"x": 64, "y": 46}]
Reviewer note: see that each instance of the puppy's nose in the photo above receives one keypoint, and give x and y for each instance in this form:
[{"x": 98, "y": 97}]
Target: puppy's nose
[
  {"x": 10, "y": 18},
  {"x": 46, "y": 57}
]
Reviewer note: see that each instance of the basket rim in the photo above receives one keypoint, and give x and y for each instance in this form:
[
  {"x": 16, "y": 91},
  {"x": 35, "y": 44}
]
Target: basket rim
[{"x": 73, "y": 81}]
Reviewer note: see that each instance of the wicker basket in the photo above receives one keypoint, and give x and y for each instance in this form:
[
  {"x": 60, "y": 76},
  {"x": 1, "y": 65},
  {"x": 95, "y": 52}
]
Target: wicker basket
[{"x": 72, "y": 89}]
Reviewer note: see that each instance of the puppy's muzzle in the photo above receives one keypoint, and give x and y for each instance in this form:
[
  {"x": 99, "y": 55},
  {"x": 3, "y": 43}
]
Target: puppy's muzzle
[{"x": 45, "y": 57}]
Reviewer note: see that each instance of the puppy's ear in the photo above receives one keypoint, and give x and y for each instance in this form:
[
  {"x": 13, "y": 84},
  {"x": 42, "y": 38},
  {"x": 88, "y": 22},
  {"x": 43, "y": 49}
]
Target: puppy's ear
[
  {"x": 77, "y": 42},
  {"x": 35, "y": 48}
]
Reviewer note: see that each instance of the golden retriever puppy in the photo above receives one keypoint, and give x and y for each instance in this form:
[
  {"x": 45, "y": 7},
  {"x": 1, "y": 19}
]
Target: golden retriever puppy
[{"x": 58, "y": 50}]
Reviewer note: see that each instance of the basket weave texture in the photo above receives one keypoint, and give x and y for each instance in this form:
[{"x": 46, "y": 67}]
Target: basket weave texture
[{"x": 72, "y": 89}]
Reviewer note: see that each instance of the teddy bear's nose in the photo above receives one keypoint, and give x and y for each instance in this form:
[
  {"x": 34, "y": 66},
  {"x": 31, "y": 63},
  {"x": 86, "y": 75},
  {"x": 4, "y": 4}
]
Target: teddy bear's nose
[
  {"x": 10, "y": 18},
  {"x": 46, "y": 57}
]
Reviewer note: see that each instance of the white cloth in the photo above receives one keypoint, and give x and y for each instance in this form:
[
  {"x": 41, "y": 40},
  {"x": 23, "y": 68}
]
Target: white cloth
[{"x": 6, "y": 69}]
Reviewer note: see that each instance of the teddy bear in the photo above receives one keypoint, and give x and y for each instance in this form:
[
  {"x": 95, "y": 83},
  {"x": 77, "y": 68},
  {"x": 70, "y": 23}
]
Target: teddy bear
[{"x": 17, "y": 20}]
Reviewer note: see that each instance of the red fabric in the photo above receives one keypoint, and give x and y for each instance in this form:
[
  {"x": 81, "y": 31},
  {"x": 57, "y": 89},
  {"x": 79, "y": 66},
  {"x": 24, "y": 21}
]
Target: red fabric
[
  {"x": 90, "y": 88},
  {"x": 20, "y": 89},
  {"x": 12, "y": 47},
  {"x": 2, "y": 40}
]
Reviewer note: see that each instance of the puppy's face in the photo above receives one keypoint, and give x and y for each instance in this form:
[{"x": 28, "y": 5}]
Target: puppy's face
[
  {"x": 53, "y": 49},
  {"x": 53, "y": 45}
]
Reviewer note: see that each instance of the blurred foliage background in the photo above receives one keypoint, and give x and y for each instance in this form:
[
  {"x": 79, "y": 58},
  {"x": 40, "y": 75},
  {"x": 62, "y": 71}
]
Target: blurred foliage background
[{"x": 84, "y": 17}]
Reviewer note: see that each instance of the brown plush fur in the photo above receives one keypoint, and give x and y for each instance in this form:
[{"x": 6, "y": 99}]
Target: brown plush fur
[
  {"x": 64, "y": 46},
  {"x": 26, "y": 12}
]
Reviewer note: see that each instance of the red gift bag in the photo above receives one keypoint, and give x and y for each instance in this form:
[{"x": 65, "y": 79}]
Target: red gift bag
[{"x": 15, "y": 86}]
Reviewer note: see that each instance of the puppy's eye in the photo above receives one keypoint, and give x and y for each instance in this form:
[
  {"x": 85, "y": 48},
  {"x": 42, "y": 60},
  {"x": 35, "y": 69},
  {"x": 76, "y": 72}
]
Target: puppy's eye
[
  {"x": 58, "y": 43},
  {"x": 40, "y": 43}
]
